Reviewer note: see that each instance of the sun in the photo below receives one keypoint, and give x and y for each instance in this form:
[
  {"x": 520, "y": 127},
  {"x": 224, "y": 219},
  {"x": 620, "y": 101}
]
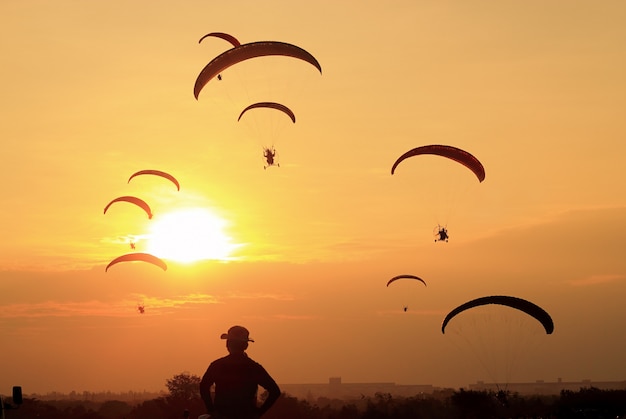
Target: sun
[{"x": 189, "y": 235}]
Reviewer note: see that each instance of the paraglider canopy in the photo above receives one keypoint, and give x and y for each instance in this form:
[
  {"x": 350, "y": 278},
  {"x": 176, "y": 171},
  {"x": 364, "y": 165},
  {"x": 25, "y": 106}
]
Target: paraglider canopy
[
  {"x": 405, "y": 276},
  {"x": 133, "y": 200},
  {"x": 156, "y": 173},
  {"x": 406, "y": 290},
  {"x": 525, "y": 306},
  {"x": 450, "y": 152},
  {"x": 272, "y": 105},
  {"x": 138, "y": 257},
  {"x": 233, "y": 41},
  {"x": 500, "y": 332},
  {"x": 247, "y": 51}
]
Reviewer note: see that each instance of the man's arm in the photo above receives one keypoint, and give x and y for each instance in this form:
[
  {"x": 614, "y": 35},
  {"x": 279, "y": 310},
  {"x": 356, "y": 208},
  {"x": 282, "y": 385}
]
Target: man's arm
[
  {"x": 205, "y": 390},
  {"x": 273, "y": 391}
]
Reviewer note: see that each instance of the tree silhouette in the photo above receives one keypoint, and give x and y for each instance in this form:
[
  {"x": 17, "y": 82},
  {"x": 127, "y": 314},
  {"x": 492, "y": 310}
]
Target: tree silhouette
[{"x": 183, "y": 386}]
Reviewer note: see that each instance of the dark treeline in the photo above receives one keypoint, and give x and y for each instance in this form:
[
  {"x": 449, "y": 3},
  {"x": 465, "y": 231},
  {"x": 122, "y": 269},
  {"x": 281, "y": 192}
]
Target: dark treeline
[
  {"x": 462, "y": 404},
  {"x": 132, "y": 397}
]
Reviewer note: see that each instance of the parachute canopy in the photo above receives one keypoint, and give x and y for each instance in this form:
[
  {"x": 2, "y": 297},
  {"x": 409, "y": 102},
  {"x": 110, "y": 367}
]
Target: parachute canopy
[
  {"x": 272, "y": 105},
  {"x": 233, "y": 41},
  {"x": 450, "y": 152},
  {"x": 133, "y": 200},
  {"x": 527, "y": 307},
  {"x": 246, "y": 51},
  {"x": 406, "y": 276},
  {"x": 138, "y": 257},
  {"x": 157, "y": 173}
]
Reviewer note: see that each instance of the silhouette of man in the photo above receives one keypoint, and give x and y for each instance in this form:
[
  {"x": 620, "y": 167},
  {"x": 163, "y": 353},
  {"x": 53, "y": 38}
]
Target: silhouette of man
[{"x": 236, "y": 378}]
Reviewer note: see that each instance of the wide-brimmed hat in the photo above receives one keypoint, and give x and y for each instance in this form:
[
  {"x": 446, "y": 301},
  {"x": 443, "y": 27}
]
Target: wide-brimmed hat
[{"x": 238, "y": 333}]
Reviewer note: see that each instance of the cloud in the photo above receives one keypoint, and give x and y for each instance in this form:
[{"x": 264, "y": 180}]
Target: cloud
[
  {"x": 294, "y": 317},
  {"x": 95, "y": 308},
  {"x": 412, "y": 312},
  {"x": 261, "y": 296},
  {"x": 596, "y": 279},
  {"x": 62, "y": 309},
  {"x": 288, "y": 317}
]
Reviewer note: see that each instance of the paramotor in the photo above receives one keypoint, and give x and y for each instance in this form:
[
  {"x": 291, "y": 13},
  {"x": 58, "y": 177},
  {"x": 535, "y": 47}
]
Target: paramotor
[{"x": 500, "y": 332}]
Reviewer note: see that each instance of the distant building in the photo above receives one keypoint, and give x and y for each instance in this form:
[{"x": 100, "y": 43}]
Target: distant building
[
  {"x": 336, "y": 389},
  {"x": 549, "y": 387}
]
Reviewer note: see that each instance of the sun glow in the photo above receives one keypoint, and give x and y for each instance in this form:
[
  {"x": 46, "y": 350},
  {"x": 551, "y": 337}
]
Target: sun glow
[{"x": 189, "y": 235}]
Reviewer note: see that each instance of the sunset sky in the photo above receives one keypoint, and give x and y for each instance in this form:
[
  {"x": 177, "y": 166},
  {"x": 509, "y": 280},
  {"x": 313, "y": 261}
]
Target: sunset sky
[{"x": 95, "y": 91}]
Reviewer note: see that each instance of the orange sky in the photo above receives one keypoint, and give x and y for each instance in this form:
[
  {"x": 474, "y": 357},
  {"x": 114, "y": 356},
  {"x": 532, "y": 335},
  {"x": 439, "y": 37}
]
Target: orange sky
[{"x": 94, "y": 91}]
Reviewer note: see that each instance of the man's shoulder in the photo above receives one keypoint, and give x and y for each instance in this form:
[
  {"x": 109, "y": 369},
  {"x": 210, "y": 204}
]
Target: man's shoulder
[
  {"x": 220, "y": 360},
  {"x": 235, "y": 358}
]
